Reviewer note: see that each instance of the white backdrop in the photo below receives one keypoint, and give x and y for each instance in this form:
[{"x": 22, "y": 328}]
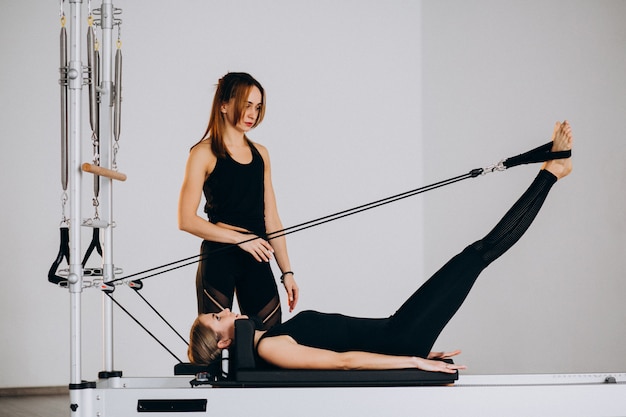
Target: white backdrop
[
  {"x": 496, "y": 77},
  {"x": 365, "y": 99}
]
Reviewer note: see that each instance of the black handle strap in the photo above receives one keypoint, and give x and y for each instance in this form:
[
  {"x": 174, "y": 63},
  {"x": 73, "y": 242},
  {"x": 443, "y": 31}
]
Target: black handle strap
[
  {"x": 94, "y": 244},
  {"x": 64, "y": 253}
]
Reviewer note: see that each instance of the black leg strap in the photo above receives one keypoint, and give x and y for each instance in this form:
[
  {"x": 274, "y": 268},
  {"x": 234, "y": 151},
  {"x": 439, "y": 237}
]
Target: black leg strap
[{"x": 540, "y": 154}]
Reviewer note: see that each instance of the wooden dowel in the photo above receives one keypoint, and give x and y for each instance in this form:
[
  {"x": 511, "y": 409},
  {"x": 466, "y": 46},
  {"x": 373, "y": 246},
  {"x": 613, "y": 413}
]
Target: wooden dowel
[{"x": 103, "y": 172}]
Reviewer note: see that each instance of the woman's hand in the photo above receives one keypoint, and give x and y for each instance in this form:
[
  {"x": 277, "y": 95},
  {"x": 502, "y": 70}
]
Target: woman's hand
[
  {"x": 259, "y": 248},
  {"x": 438, "y": 366},
  {"x": 443, "y": 355},
  {"x": 292, "y": 290}
]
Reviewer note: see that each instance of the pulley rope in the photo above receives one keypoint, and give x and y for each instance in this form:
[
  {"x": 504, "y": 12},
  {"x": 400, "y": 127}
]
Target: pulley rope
[
  {"x": 142, "y": 326},
  {"x": 302, "y": 226},
  {"x": 137, "y": 286},
  {"x": 539, "y": 154}
]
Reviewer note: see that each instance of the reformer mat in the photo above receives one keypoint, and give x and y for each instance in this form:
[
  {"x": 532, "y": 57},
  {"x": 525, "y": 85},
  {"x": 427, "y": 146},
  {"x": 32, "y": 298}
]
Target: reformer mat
[{"x": 246, "y": 370}]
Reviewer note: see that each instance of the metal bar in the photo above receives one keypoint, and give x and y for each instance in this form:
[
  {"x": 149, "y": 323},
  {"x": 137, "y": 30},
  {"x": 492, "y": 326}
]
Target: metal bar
[
  {"x": 117, "y": 111},
  {"x": 75, "y": 278},
  {"x": 63, "y": 83},
  {"x": 106, "y": 144}
]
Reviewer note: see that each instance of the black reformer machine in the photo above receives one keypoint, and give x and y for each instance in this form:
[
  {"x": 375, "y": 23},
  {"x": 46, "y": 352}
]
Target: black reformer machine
[{"x": 242, "y": 368}]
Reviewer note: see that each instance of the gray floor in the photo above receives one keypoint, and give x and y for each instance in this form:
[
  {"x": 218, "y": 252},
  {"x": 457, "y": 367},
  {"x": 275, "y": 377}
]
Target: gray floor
[{"x": 35, "y": 406}]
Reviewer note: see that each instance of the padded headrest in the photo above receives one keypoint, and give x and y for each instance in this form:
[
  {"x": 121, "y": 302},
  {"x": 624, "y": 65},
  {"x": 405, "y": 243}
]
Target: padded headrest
[{"x": 242, "y": 354}]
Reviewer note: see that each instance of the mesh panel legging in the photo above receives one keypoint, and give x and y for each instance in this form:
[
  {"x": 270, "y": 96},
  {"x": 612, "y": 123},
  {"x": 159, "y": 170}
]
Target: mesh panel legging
[
  {"x": 414, "y": 328},
  {"x": 226, "y": 270}
]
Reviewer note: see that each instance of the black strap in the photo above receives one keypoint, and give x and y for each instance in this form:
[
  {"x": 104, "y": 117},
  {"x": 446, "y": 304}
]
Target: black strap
[
  {"x": 94, "y": 244},
  {"x": 64, "y": 253},
  {"x": 542, "y": 153}
]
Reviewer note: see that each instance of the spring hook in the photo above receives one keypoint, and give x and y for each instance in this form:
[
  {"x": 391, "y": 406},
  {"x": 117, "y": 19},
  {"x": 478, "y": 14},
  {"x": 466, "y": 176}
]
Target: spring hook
[{"x": 494, "y": 167}]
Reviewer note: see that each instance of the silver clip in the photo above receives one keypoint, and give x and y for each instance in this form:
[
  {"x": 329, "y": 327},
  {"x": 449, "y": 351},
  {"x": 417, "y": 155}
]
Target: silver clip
[{"x": 494, "y": 167}]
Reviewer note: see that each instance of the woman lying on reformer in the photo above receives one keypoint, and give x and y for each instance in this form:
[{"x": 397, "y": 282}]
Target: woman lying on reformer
[{"x": 313, "y": 340}]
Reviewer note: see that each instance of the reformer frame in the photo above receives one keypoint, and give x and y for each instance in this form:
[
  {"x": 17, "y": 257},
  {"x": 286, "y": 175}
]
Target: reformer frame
[{"x": 113, "y": 395}]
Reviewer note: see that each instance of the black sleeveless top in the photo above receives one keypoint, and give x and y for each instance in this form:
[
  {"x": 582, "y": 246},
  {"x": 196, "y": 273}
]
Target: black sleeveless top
[
  {"x": 334, "y": 332},
  {"x": 234, "y": 193}
]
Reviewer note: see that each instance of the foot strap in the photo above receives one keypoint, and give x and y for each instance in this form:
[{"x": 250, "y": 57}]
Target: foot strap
[{"x": 542, "y": 153}]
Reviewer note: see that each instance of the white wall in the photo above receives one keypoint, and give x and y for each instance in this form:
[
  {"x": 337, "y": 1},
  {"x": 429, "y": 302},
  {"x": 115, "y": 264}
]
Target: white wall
[
  {"x": 344, "y": 127},
  {"x": 496, "y": 77}
]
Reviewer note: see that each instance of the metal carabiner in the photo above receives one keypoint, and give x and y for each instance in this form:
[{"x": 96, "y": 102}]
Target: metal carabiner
[{"x": 494, "y": 167}]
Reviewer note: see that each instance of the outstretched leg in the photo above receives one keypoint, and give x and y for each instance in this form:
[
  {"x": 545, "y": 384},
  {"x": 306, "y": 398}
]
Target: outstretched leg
[
  {"x": 418, "y": 323},
  {"x": 518, "y": 219}
]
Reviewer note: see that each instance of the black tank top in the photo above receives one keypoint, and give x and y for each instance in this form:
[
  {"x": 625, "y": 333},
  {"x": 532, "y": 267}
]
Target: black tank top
[
  {"x": 334, "y": 332},
  {"x": 234, "y": 193}
]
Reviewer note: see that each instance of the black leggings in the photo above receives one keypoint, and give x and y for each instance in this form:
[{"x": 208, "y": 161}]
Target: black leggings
[
  {"x": 415, "y": 327},
  {"x": 225, "y": 270}
]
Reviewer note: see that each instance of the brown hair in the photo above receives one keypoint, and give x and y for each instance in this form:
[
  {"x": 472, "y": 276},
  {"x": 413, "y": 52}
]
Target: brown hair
[
  {"x": 203, "y": 348},
  {"x": 232, "y": 86}
]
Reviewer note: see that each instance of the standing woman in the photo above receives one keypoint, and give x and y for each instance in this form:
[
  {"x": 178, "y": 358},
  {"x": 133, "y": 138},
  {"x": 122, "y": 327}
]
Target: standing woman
[{"x": 234, "y": 174}]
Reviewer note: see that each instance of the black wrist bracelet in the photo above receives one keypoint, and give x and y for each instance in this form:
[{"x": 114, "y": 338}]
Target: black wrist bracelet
[{"x": 282, "y": 276}]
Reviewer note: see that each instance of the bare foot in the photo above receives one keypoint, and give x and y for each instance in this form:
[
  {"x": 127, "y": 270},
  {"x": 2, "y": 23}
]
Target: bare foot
[{"x": 561, "y": 141}]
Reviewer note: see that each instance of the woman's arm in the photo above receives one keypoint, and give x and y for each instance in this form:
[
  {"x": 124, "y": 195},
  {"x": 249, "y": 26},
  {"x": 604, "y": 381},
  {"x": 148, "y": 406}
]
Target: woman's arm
[
  {"x": 272, "y": 224},
  {"x": 284, "y": 352},
  {"x": 200, "y": 164}
]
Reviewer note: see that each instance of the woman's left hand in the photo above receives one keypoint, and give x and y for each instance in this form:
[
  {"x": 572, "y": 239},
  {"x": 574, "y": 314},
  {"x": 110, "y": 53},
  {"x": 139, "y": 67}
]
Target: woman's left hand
[
  {"x": 443, "y": 355},
  {"x": 438, "y": 366},
  {"x": 292, "y": 291}
]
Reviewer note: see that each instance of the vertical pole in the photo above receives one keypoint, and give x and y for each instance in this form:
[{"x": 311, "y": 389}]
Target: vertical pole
[
  {"x": 80, "y": 391},
  {"x": 75, "y": 278},
  {"x": 106, "y": 146}
]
